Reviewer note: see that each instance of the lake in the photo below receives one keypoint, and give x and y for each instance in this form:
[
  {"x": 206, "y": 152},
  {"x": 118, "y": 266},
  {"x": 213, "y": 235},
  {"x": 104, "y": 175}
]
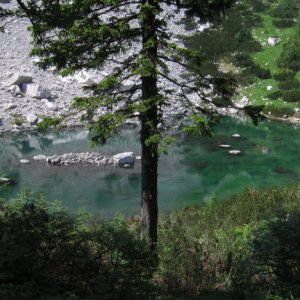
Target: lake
[{"x": 193, "y": 171}]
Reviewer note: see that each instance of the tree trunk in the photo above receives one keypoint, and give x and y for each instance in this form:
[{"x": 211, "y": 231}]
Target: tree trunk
[{"x": 149, "y": 120}]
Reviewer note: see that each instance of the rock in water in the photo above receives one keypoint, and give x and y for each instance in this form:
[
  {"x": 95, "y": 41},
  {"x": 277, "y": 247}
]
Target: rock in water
[
  {"x": 235, "y": 152},
  {"x": 24, "y": 161},
  {"x": 40, "y": 157},
  {"x": 124, "y": 159}
]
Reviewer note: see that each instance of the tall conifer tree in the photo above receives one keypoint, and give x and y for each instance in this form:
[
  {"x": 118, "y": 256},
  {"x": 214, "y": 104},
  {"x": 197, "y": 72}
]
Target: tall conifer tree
[{"x": 131, "y": 36}]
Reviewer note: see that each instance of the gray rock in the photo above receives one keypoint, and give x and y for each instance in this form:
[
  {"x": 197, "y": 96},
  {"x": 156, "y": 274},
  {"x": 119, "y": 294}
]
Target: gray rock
[
  {"x": 10, "y": 106},
  {"x": 35, "y": 91},
  {"x": 15, "y": 90},
  {"x": 32, "y": 119},
  {"x": 236, "y": 135},
  {"x": 122, "y": 159},
  {"x": 18, "y": 79},
  {"x": 273, "y": 41},
  {"x": 243, "y": 102},
  {"x": 5, "y": 180},
  {"x": 40, "y": 157}
]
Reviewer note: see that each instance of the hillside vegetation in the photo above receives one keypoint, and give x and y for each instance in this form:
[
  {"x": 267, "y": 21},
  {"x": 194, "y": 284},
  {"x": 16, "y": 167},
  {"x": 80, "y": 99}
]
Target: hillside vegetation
[
  {"x": 244, "y": 247},
  {"x": 267, "y": 73}
]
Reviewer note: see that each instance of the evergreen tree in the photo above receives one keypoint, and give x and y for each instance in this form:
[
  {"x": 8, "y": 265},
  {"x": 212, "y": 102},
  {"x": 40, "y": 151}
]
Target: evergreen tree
[{"x": 133, "y": 37}]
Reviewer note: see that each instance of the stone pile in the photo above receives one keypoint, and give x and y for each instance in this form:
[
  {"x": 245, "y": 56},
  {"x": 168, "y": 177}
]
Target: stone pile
[
  {"x": 122, "y": 160},
  {"x": 67, "y": 159}
]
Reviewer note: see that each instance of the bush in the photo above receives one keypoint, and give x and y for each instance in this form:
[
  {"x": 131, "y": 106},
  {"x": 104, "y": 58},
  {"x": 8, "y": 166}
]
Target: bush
[
  {"x": 290, "y": 54},
  {"x": 291, "y": 95},
  {"x": 46, "y": 253},
  {"x": 274, "y": 261},
  {"x": 279, "y": 110},
  {"x": 275, "y": 95},
  {"x": 242, "y": 60},
  {"x": 204, "y": 248},
  {"x": 257, "y": 71},
  {"x": 283, "y": 23},
  {"x": 258, "y": 5},
  {"x": 284, "y": 74},
  {"x": 289, "y": 84},
  {"x": 288, "y": 9}
]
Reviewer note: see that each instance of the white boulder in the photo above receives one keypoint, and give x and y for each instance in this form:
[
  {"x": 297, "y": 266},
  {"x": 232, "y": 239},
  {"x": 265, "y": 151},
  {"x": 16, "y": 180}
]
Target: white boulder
[
  {"x": 18, "y": 79},
  {"x": 243, "y": 102},
  {"x": 236, "y": 135},
  {"x": 225, "y": 146},
  {"x": 235, "y": 152},
  {"x": 124, "y": 159},
  {"x": 40, "y": 157},
  {"x": 273, "y": 41},
  {"x": 35, "y": 91},
  {"x": 15, "y": 90},
  {"x": 32, "y": 119},
  {"x": 24, "y": 161}
]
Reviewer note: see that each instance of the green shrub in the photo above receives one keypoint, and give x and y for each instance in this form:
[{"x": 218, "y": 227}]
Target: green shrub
[
  {"x": 258, "y": 5},
  {"x": 18, "y": 119},
  {"x": 283, "y": 23},
  {"x": 274, "y": 261},
  {"x": 206, "y": 247},
  {"x": 275, "y": 95},
  {"x": 289, "y": 84},
  {"x": 46, "y": 252},
  {"x": 242, "y": 60},
  {"x": 284, "y": 74},
  {"x": 257, "y": 71},
  {"x": 288, "y": 9},
  {"x": 279, "y": 110},
  {"x": 291, "y": 95},
  {"x": 290, "y": 54}
]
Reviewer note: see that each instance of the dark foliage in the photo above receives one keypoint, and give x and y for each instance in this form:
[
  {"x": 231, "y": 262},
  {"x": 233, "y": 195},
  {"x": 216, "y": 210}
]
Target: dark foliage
[
  {"x": 289, "y": 84},
  {"x": 291, "y": 95},
  {"x": 275, "y": 257},
  {"x": 290, "y": 55},
  {"x": 46, "y": 252},
  {"x": 286, "y": 9},
  {"x": 284, "y": 74},
  {"x": 283, "y": 23}
]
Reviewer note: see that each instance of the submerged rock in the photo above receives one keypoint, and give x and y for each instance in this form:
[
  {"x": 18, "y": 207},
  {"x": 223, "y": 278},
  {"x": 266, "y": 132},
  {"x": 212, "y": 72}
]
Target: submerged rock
[{"x": 234, "y": 152}]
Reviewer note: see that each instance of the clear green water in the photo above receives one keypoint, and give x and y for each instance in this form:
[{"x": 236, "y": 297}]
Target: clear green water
[{"x": 193, "y": 171}]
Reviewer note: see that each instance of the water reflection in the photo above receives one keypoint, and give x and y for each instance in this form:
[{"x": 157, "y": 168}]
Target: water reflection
[{"x": 193, "y": 170}]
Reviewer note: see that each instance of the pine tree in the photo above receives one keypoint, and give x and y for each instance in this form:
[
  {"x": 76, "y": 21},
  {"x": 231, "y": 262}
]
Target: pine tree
[{"x": 132, "y": 36}]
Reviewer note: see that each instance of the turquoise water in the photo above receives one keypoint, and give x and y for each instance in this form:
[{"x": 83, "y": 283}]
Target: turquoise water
[{"x": 194, "y": 169}]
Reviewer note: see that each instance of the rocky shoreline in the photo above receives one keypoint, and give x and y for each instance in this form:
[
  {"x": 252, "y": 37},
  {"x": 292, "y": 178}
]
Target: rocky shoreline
[{"x": 28, "y": 94}]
